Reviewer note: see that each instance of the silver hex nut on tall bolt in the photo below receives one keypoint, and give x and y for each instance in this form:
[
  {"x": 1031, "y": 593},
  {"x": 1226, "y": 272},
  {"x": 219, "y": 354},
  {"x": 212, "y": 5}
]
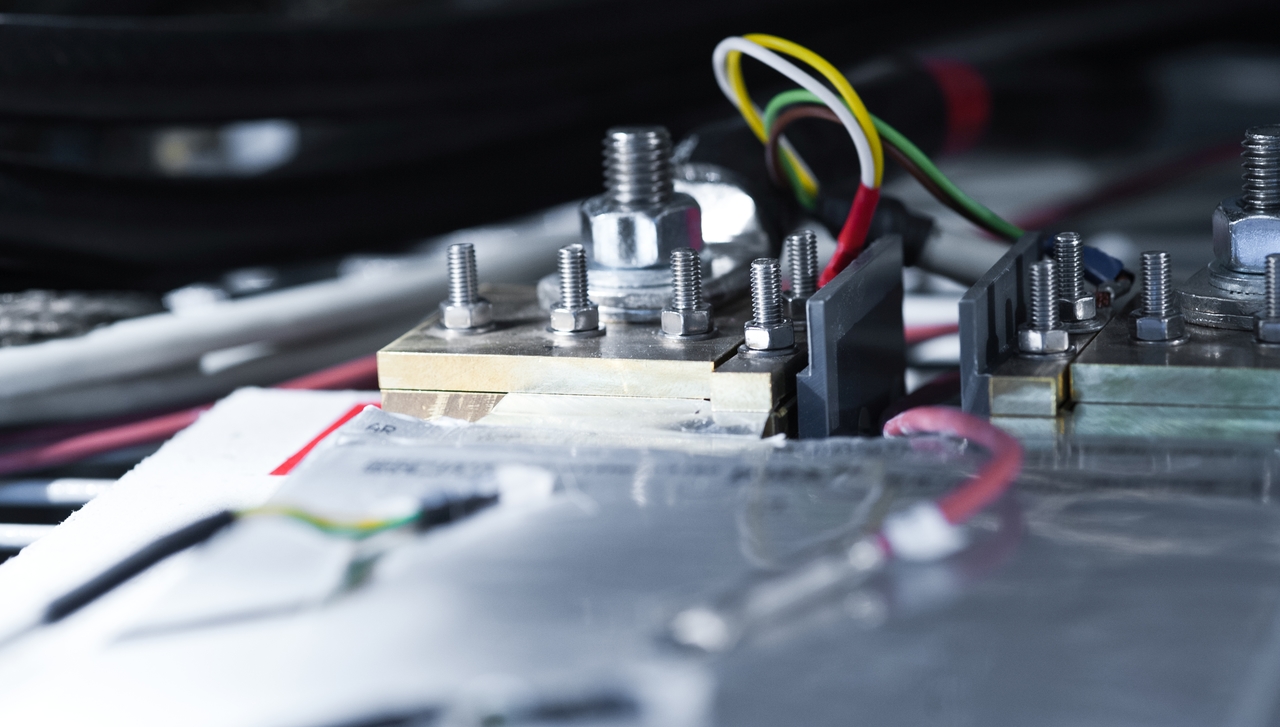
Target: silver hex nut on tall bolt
[
  {"x": 1247, "y": 228},
  {"x": 631, "y": 229},
  {"x": 688, "y": 314},
  {"x": 802, "y": 255},
  {"x": 464, "y": 310},
  {"x": 575, "y": 314},
  {"x": 1044, "y": 334},
  {"x": 1266, "y": 325},
  {"x": 768, "y": 330},
  {"x": 1159, "y": 319}
]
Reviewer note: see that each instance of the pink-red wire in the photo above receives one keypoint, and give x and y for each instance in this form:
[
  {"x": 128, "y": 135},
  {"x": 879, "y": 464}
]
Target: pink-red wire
[
  {"x": 360, "y": 373},
  {"x": 995, "y": 477}
]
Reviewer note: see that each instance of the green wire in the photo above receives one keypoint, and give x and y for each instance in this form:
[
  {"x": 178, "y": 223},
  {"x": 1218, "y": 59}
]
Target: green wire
[
  {"x": 331, "y": 527},
  {"x": 995, "y": 222}
]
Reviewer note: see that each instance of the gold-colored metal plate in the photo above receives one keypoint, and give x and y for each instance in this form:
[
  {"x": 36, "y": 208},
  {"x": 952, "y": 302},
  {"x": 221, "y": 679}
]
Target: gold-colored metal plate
[
  {"x": 427, "y": 404},
  {"x": 520, "y": 355}
]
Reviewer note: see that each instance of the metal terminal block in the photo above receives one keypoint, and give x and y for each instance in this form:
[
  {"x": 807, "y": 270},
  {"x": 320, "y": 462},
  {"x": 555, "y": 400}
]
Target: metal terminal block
[
  {"x": 465, "y": 311},
  {"x": 768, "y": 330},
  {"x": 1075, "y": 303},
  {"x": 1158, "y": 320},
  {"x": 1044, "y": 334},
  {"x": 688, "y": 314},
  {"x": 802, "y": 254},
  {"x": 575, "y": 315},
  {"x": 1266, "y": 326}
]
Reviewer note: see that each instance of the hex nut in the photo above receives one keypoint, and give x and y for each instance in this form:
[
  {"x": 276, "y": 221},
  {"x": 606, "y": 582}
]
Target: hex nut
[
  {"x": 1267, "y": 330},
  {"x": 692, "y": 322},
  {"x": 1155, "y": 329},
  {"x": 797, "y": 309},
  {"x": 1032, "y": 340},
  {"x": 769, "y": 338},
  {"x": 464, "y": 317},
  {"x": 622, "y": 236},
  {"x": 575, "y": 320},
  {"x": 1084, "y": 309},
  {"x": 1243, "y": 238}
]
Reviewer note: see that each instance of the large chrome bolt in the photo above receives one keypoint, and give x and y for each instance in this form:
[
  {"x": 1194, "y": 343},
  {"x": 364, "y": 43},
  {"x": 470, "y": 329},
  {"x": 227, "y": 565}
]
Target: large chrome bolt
[
  {"x": 464, "y": 310},
  {"x": 688, "y": 314},
  {"x": 1262, "y": 168},
  {"x": 1266, "y": 325},
  {"x": 1075, "y": 304},
  {"x": 768, "y": 329},
  {"x": 802, "y": 254},
  {"x": 1247, "y": 228},
  {"x": 1044, "y": 334},
  {"x": 1159, "y": 320},
  {"x": 575, "y": 314}
]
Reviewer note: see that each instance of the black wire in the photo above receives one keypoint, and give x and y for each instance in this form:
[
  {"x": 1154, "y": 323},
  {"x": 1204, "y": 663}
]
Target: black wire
[{"x": 158, "y": 550}]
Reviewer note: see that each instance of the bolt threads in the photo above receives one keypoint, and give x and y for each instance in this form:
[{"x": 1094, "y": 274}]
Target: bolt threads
[
  {"x": 766, "y": 292},
  {"x": 463, "y": 285},
  {"x": 1157, "y": 288},
  {"x": 1044, "y": 307},
  {"x": 1262, "y": 167},
  {"x": 637, "y": 165},
  {"x": 572, "y": 261},
  {"x": 1271, "y": 307},
  {"x": 686, "y": 279},
  {"x": 1068, "y": 253},
  {"x": 802, "y": 254}
]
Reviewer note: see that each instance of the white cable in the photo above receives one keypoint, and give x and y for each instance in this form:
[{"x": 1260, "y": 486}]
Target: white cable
[{"x": 867, "y": 172}]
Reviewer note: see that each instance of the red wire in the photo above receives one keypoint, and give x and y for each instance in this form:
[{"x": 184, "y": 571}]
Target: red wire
[
  {"x": 361, "y": 371},
  {"x": 995, "y": 477},
  {"x": 853, "y": 236},
  {"x": 920, "y": 334}
]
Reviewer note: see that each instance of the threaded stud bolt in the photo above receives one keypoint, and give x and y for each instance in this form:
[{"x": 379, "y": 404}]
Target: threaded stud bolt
[
  {"x": 1159, "y": 319},
  {"x": 463, "y": 288},
  {"x": 688, "y": 314},
  {"x": 768, "y": 329},
  {"x": 464, "y": 310},
  {"x": 1262, "y": 168},
  {"x": 766, "y": 292},
  {"x": 1044, "y": 314},
  {"x": 1157, "y": 288},
  {"x": 1044, "y": 333},
  {"x": 1075, "y": 303},
  {"x": 637, "y": 165},
  {"x": 575, "y": 314},
  {"x": 802, "y": 254}
]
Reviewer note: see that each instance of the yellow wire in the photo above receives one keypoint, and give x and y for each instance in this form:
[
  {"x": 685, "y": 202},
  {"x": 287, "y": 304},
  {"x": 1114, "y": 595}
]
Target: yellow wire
[
  {"x": 818, "y": 63},
  {"x": 733, "y": 67}
]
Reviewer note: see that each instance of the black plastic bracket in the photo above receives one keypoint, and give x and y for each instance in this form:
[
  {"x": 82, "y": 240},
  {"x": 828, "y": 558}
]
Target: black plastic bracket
[
  {"x": 857, "y": 355},
  {"x": 990, "y": 313}
]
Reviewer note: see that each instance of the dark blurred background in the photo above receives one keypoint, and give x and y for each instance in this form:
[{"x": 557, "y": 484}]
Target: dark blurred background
[{"x": 147, "y": 144}]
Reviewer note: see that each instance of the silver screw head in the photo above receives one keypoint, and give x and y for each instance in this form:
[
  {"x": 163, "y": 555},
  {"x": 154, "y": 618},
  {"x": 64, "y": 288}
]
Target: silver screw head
[
  {"x": 687, "y": 322},
  {"x": 575, "y": 320},
  {"x": 467, "y": 316},
  {"x": 1157, "y": 329},
  {"x": 768, "y": 338},
  {"x": 1267, "y": 330},
  {"x": 1040, "y": 342},
  {"x": 1081, "y": 309}
]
